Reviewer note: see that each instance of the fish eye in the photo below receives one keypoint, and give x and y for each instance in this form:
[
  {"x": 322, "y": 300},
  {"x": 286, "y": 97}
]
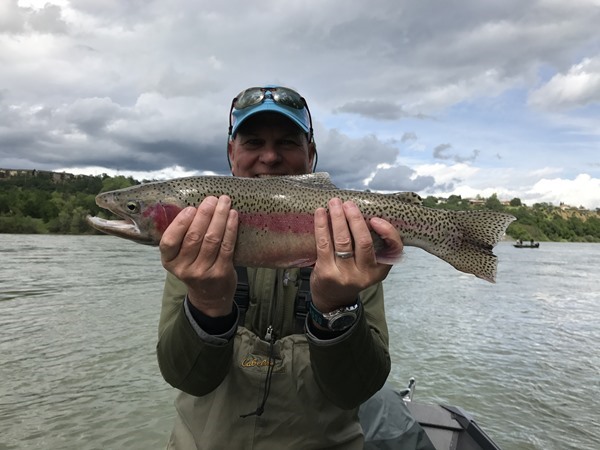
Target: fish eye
[{"x": 132, "y": 206}]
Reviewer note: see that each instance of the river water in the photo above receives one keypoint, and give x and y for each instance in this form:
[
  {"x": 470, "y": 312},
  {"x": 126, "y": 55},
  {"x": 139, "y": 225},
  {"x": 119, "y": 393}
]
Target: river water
[{"x": 78, "y": 320}]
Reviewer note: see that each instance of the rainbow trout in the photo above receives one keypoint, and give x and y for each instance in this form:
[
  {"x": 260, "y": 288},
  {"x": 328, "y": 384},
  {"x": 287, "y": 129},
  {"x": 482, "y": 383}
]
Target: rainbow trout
[{"x": 276, "y": 219}]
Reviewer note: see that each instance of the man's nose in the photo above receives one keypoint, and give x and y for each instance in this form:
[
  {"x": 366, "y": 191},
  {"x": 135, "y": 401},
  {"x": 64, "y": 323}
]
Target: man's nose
[{"x": 270, "y": 155}]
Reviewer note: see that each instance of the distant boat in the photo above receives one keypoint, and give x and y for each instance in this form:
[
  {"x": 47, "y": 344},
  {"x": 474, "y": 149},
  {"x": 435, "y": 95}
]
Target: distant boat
[{"x": 520, "y": 244}]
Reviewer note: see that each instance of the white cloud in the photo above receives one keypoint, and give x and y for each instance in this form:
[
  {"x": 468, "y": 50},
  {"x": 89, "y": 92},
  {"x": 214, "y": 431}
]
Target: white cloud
[
  {"x": 583, "y": 190},
  {"x": 469, "y": 182},
  {"x": 447, "y": 174},
  {"x": 580, "y": 86},
  {"x": 399, "y": 178}
]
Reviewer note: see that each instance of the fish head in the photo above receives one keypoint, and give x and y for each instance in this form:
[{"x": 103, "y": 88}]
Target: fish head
[{"x": 145, "y": 214}]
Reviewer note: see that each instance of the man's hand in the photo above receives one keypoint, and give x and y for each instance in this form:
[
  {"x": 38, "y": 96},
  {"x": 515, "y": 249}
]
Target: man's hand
[
  {"x": 336, "y": 282},
  {"x": 198, "y": 249}
]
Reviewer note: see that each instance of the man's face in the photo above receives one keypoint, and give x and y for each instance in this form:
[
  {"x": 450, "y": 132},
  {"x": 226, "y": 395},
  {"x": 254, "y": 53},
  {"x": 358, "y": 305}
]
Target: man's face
[{"x": 270, "y": 144}]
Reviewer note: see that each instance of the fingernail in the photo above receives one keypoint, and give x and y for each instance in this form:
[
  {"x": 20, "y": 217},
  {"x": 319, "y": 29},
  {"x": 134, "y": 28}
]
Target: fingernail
[
  {"x": 188, "y": 211},
  {"x": 335, "y": 203}
]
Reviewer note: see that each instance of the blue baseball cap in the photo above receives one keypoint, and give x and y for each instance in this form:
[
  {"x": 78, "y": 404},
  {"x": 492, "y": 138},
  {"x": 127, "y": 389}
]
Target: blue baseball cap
[{"x": 280, "y": 100}]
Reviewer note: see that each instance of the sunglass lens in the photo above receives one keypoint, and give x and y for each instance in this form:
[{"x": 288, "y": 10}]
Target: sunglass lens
[
  {"x": 249, "y": 97},
  {"x": 288, "y": 97}
]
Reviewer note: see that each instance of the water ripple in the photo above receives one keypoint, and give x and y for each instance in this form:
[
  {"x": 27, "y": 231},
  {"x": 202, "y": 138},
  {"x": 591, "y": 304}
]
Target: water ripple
[{"x": 78, "y": 326}]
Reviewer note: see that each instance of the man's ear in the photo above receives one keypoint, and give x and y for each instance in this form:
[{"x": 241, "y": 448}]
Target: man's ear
[
  {"x": 313, "y": 157},
  {"x": 230, "y": 154}
]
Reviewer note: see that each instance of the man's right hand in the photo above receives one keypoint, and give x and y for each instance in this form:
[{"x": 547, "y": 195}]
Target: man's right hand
[{"x": 198, "y": 248}]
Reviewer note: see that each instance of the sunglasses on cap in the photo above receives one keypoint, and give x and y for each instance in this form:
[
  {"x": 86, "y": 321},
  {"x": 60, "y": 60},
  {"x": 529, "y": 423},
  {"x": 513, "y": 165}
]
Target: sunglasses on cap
[{"x": 281, "y": 95}]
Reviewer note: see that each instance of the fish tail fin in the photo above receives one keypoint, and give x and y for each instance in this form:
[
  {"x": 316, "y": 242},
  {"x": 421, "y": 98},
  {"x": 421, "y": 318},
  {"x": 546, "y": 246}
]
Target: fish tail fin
[
  {"x": 474, "y": 259},
  {"x": 469, "y": 248}
]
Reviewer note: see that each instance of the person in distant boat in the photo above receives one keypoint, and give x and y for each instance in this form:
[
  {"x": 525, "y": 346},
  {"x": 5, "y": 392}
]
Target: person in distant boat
[
  {"x": 270, "y": 370},
  {"x": 532, "y": 242}
]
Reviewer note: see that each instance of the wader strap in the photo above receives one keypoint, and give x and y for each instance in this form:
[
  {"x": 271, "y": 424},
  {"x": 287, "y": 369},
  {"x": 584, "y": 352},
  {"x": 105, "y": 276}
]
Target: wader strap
[
  {"x": 303, "y": 297},
  {"x": 242, "y": 293}
]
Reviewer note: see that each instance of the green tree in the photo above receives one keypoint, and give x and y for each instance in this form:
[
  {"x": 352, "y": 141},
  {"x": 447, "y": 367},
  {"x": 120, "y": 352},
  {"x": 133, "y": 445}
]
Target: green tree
[
  {"x": 454, "y": 202},
  {"x": 118, "y": 182},
  {"x": 430, "y": 202},
  {"x": 493, "y": 204}
]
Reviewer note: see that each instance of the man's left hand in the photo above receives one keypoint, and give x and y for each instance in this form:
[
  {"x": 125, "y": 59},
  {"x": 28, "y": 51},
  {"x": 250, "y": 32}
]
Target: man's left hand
[{"x": 336, "y": 281}]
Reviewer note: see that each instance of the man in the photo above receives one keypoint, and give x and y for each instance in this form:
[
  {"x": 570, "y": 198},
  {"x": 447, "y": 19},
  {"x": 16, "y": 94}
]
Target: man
[{"x": 255, "y": 377}]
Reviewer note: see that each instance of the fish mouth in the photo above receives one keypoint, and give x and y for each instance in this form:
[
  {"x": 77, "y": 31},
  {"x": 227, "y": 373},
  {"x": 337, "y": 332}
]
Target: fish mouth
[
  {"x": 125, "y": 225},
  {"x": 125, "y": 228}
]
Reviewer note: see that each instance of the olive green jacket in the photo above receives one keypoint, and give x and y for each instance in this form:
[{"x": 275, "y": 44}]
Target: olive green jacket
[{"x": 316, "y": 385}]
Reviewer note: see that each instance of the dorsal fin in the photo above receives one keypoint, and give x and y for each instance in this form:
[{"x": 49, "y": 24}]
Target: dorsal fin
[{"x": 408, "y": 197}]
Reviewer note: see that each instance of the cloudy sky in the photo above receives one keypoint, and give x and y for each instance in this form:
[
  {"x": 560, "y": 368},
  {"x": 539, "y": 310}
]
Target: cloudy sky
[{"x": 440, "y": 97}]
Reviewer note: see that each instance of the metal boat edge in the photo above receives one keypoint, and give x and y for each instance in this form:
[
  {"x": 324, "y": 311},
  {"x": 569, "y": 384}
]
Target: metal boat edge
[{"x": 393, "y": 420}]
